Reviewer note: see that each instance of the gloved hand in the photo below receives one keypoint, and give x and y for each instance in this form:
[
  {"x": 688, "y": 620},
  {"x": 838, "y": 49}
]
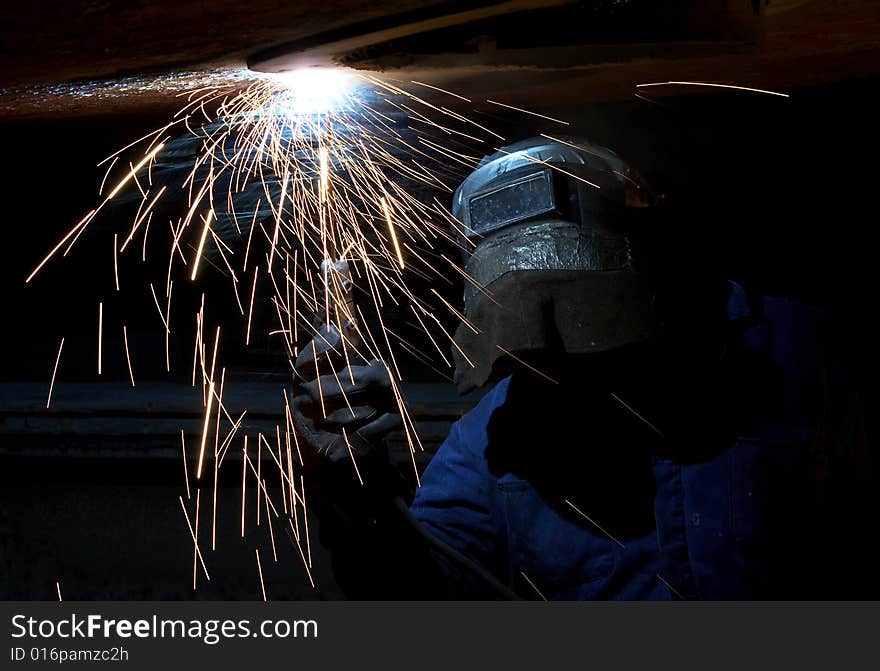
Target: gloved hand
[{"x": 343, "y": 406}]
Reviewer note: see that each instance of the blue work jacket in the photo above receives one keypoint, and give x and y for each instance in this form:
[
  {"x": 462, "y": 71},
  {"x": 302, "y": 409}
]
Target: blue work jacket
[{"x": 730, "y": 524}]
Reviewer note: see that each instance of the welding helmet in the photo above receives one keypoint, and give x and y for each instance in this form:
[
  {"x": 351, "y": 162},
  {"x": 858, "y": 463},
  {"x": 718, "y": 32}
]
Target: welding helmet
[{"x": 550, "y": 230}]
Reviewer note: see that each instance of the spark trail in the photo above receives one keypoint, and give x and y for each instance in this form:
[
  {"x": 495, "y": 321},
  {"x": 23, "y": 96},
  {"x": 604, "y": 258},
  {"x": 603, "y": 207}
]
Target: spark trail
[
  {"x": 260, "y": 195},
  {"x": 286, "y": 182},
  {"x": 283, "y": 183}
]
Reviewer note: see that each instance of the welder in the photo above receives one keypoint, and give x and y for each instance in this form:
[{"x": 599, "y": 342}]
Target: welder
[{"x": 649, "y": 435}]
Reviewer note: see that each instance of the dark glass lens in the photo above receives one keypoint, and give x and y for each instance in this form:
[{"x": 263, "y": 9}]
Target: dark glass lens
[{"x": 510, "y": 203}]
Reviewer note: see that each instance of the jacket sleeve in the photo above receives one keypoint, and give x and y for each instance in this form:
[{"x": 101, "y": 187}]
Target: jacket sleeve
[
  {"x": 457, "y": 503},
  {"x": 383, "y": 556}
]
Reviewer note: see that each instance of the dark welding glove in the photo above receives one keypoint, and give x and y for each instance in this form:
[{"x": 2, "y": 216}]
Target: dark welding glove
[
  {"x": 343, "y": 405},
  {"x": 342, "y": 410}
]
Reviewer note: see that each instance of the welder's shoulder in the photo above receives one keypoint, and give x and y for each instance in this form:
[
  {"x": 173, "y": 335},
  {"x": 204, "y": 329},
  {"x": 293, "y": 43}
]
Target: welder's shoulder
[
  {"x": 457, "y": 490},
  {"x": 474, "y": 424},
  {"x": 466, "y": 443}
]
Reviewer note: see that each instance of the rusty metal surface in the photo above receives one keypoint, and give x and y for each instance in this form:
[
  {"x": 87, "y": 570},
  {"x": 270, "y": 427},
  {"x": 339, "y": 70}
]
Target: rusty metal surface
[
  {"x": 121, "y": 57},
  {"x": 45, "y": 41}
]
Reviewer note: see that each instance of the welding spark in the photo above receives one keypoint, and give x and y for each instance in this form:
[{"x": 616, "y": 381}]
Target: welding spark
[
  {"x": 244, "y": 459},
  {"x": 324, "y": 173},
  {"x": 534, "y": 587},
  {"x": 593, "y": 522},
  {"x": 100, "y": 336},
  {"x": 719, "y": 86},
  {"x": 638, "y": 415},
  {"x": 260, "y": 571},
  {"x": 205, "y": 430},
  {"x": 54, "y": 373},
  {"x": 391, "y": 231},
  {"x": 535, "y": 114},
  {"x": 115, "y": 262},
  {"x": 127, "y": 354},
  {"x": 192, "y": 534},
  {"x": 205, "y": 230},
  {"x": 134, "y": 171},
  {"x": 185, "y": 468},
  {"x": 320, "y": 180}
]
